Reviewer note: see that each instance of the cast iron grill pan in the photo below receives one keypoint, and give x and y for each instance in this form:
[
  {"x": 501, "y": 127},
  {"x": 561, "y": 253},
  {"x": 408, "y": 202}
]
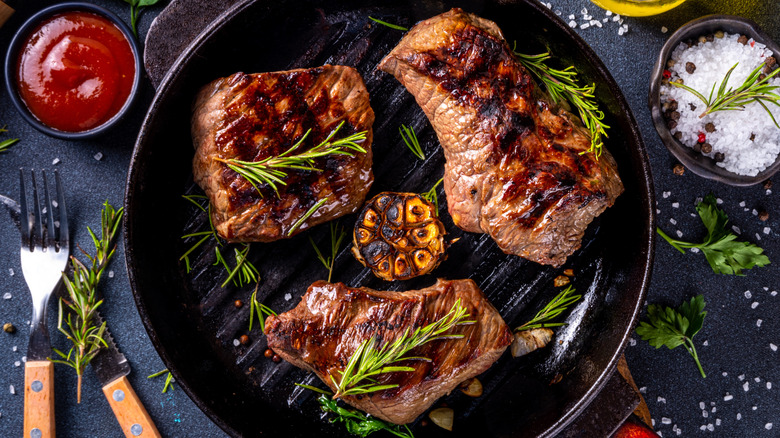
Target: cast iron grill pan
[{"x": 193, "y": 322}]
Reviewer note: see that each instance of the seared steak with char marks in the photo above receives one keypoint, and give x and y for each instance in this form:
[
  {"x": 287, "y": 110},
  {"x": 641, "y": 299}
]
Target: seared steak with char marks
[
  {"x": 251, "y": 117},
  {"x": 514, "y": 165},
  {"x": 332, "y": 320}
]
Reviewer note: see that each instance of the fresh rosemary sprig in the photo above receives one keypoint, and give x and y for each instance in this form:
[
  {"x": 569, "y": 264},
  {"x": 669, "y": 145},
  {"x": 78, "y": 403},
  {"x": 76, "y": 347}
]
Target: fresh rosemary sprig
[
  {"x": 271, "y": 170},
  {"x": 562, "y": 85},
  {"x": 431, "y": 195},
  {"x": 734, "y": 99},
  {"x": 79, "y": 324},
  {"x": 410, "y": 139},
  {"x": 5, "y": 144},
  {"x": 168, "y": 379},
  {"x": 357, "y": 423},
  {"x": 370, "y": 360},
  {"x": 558, "y": 305},
  {"x": 385, "y": 23},
  {"x": 337, "y": 234},
  {"x": 256, "y": 308},
  {"x": 242, "y": 273},
  {"x": 306, "y": 215}
]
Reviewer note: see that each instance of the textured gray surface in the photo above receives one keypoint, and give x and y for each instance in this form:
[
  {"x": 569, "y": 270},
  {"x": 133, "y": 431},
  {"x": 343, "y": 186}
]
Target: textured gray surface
[{"x": 736, "y": 345}]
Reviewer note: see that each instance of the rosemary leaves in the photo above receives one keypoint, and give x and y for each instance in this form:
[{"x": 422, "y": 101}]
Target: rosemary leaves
[
  {"x": 555, "y": 307},
  {"x": 370, "y": 360},
  {"x": 410, "y": 139},
  {"x": 271, "y": 171},
  {"x": 337, "y": 235},
  {"x": 6, "y": 144},
  {"x": 78, "y": 322},
  {"x": 562, "y": 85},
  {"x": 431, "y": 195}
]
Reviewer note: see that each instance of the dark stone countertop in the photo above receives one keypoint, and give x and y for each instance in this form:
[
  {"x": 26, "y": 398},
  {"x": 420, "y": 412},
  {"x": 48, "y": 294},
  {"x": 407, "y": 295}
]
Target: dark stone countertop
[{"x": 737, "y": 350}]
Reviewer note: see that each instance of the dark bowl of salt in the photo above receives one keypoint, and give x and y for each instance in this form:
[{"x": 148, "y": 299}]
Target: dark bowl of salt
[{"x": 695, "y": 160}]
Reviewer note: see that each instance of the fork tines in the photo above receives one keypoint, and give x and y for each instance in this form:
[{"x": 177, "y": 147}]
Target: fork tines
[{"x": 35, "y": 232}]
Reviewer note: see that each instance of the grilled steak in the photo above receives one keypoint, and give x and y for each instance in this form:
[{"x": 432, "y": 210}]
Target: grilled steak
[
  {"x": 251, "y": 117},
  {"x": 332, "y": 320},
  {"x": 514, "y": 168}
]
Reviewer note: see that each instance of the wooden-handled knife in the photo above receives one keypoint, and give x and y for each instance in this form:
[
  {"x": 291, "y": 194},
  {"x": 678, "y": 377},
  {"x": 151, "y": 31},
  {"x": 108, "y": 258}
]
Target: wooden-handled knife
[{"x": 112, "y": 368}]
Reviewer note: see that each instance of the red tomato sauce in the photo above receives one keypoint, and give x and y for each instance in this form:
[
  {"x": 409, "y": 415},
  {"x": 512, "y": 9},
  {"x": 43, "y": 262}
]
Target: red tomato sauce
[{"x": 75, "y": 71}]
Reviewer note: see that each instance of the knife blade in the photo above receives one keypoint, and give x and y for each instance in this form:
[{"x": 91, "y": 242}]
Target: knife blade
[{"x": 112, "y": 369}]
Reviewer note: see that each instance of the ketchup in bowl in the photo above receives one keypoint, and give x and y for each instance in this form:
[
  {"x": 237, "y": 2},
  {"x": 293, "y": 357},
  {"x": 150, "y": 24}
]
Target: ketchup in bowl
[{"x": 75, "y": 71}]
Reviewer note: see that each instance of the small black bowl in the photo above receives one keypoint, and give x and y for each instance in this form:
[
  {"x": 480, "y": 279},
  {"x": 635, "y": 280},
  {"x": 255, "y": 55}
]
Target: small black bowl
[
  {"x": 20, "y": 38},
  {"x": 698, "y": 163}
]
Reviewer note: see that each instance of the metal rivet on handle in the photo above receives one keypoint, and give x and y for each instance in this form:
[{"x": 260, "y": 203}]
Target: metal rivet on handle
[
  {"x": 118, "y": 395},
  {"x": 36, "y": 385},
  {"x": 136, "y": 429},
  {"x": 36, "y": 433}
]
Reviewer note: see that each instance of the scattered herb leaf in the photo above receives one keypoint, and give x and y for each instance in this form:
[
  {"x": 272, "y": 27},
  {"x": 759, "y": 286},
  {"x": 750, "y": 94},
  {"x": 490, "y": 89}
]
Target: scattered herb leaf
[
  {"x": 270, "y": 170},
  {"x": 6, "y": 144},
  {"x": 725, "y": 254},
  {"x": 390, "y": 25},
  {"x": 259, "y": 310},
  {"x": 306, "y": 215},
  {"x": 673, "y": 328},
  {"x": 410, "y": 139},
  {"x": 431, "y": 195},
  {"x": 82, "y": 303},
  {"x": 168, "y": 379},
  {"x": 562, "y": 85},
  {"x": 135, "y": 11},
  {"x": 337, "y": 234},
  {"x": 558, "y": 305},
  {"x": 370, "y": 360},
  {"x": 753, "y": 89},
  {"x": 243, "y": 272},
  {"x": 357, "y": 422}
]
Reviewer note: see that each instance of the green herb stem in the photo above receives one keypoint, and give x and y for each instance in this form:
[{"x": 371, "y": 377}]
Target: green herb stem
[
  {"x": 562, "y": 85},
  {"x": 390, "y": 25},
  {"x": 271, "y": 171},
  {"x": 410, "y": 139},
  {"x": 306, "y": 215},
  {"x": 258, "y": 310},
  {"x": 337, "y": 235},
  {"x": 555, "y": 307},
  {"x": 431, "y": 195}
]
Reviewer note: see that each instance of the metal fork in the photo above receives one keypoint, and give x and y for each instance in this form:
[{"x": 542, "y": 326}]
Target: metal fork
[{"x": 45, "y": 249}]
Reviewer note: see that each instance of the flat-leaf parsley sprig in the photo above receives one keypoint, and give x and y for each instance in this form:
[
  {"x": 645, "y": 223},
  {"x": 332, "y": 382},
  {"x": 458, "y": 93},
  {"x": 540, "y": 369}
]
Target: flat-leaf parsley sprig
[
  {"x": 562, "y": 85},
  {"x": 725, "y": 254},
  {"x": 673, "y": 328},
  {"x": 271, "y": 171},
  {"x": 135, "y": 11},
  {"x": 370, "y": 360},
  {"x": 357, "y": 422}
]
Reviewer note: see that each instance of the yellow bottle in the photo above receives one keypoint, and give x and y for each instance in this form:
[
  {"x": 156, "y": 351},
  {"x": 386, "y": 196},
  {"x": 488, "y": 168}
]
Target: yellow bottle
[{"x": 638, "y": 8}]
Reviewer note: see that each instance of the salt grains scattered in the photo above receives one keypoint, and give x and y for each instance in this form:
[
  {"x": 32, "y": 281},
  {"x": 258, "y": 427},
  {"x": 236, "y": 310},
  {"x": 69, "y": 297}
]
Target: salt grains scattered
[
  {"x": 666, "y": 194},
  {"x": 728, "y": 397},
  {"x": 702, "y": 405},
  {"x": 742, "y": 204},
  {"x": 98, "y": 156},
  {"x": 736, "y": 229},
  {"x": 717, "y": 421},
  {"x": 572, "y": 24},
  {"x": 758, "y": 322},
  {"x": 746, "y": 386},
  {"x": 754, "y": 305},
  {"x": 739, "y": 416},
  {"x": 773, "y": 347},
  {"x": 710, "y": 427},
  {"x": 236, "y": 342},
  {"x": 12, "y": 390},
  {"x": 110, "y": 274},
  {"x": 767, "y": 230},
  {"x": 705, "y": 414},
  {"x": 768, "y": 385},
  {"x": 768, "y": 426},
  {"x": 754, "y": 408},
  {"x": 10, "y": 272},
  {"x": 724, "y": 374},
  {"x": 664, "y": 29},
  {"x": 706, "y": 343},
  {"x": 732, "y": 136},
  {"x": 741, "y": 377},
  {"x": 287, "y": 297},
  {"x": 679, "y": 233},
  {"x": 675, "y": 205},
  {"x": 665, "y": 420},
  {"x": 673, "y": 221},
  {"x": 661, "y": 399},
  {"x": 748, "y": 295},
  {"x": 7, "y": 296},
  {"x": 55, "y": 161}
]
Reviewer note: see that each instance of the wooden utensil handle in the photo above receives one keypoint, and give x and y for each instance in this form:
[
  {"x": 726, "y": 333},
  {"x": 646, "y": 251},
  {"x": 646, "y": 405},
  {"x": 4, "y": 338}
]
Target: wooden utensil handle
[
  {"x": 5, "y": 13},
  {"x": 39, "y": 399},
  {"x": 129, "y": 410}
]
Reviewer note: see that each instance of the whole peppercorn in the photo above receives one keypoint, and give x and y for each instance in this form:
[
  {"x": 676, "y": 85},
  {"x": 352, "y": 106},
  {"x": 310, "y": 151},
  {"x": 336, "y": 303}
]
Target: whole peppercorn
[
  {"x": 696, "y": 147},
  {"x": 702, "y": 39},
  {"x": 719, "y": 34},
  {"x": 678, "y": 135},
  {"x": 709, "y": 37},
  {"x": 763, "y": 216},
  {"x": 770, "y": 61},
  {"x": 9, "y": 328},
  {"x": 670, "y": 63},
  {"x": 268, "y": 353},
  {"x": 706, "y": 148},
  {"x": 679, "y": 169},
  {"x": 674, "y": 115},
  {"x": 742, "y": 39},
  {"x": 709, "y": 127},
  {"x": 238, "y": 304},
  {"x": 752, "y": 136},
  {"x": 690, "y": 67},
  {"x": 276, "y": 358},
  {"x": 671, "y": 124},
  {"x": 673, "y": 105},
  {"x": 244, "y": 339},
  {"x": 768, "y": 184},
  {"x": 719, "y": 157}
]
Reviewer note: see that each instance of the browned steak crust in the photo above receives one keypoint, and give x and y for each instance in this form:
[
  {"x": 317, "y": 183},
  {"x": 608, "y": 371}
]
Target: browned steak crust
[
  {"x": 251, "y": 117},
  {"x": 514, "y": 165},
  {"x": 332, "y": 320}
]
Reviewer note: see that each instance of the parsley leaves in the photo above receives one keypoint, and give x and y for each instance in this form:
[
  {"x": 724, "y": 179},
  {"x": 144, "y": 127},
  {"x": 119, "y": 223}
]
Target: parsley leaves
[
  {"x": 673, "y": 328},
  {"x": 725, "y": 254}
]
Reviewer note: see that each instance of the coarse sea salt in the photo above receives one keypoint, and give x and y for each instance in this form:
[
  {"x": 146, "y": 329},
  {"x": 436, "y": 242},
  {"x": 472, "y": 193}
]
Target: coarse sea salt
[{"x": 748, "y": 139}]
